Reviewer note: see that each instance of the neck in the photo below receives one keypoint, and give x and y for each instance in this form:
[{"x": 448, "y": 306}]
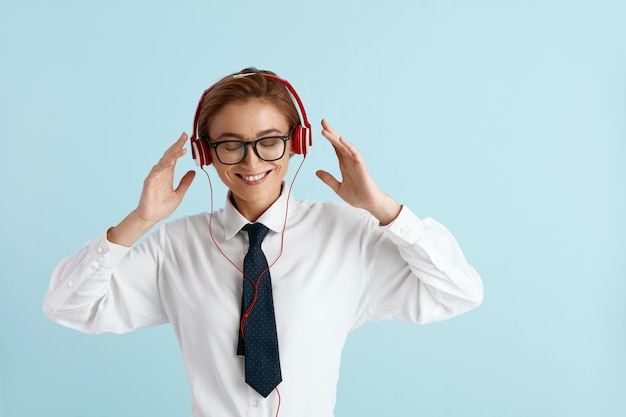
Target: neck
[{"x": 252, "y": 210}]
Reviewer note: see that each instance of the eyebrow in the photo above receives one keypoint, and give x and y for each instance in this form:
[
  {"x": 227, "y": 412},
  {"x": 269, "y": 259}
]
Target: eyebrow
[{"x": 260, "y": 134}]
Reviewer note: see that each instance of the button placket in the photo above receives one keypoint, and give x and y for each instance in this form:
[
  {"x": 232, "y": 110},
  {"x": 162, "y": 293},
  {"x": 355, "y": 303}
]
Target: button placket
[{"x": 257, "y": 406}]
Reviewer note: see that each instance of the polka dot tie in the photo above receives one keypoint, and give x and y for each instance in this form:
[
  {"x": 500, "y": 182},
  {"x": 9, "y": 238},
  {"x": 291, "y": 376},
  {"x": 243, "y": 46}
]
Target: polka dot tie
[{"x": 259, "y": 343}]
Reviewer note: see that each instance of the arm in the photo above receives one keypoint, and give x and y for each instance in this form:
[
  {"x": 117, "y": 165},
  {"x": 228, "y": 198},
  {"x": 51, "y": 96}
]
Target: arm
[
  {"x": 416, "y": 271},
  {"x": 415, "y": 268},
  {"x": 158, "y": 198},
  {"x": 109, "y": 287}
]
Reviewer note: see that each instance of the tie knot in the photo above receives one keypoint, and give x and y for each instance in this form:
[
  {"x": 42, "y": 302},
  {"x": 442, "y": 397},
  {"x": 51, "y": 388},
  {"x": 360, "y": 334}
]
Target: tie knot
[{"x": 256, "y": 233}]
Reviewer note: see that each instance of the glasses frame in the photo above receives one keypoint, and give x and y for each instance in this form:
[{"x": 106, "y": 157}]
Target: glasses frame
[{"x": 252, "y": 143}]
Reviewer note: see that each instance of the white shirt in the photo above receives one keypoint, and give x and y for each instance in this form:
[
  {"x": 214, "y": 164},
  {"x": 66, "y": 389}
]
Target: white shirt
[{"x": 339, "y": 268}]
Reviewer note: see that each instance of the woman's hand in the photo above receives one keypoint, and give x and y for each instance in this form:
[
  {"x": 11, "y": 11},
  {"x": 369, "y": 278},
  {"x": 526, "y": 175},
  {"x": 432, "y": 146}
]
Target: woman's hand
[
  {"x": 357, "y": 187},
  {"x": 158, "y": 198}
]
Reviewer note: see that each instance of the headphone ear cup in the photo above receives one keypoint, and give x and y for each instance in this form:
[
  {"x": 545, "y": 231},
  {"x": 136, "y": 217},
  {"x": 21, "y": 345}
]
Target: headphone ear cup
[
  {"x": 301, "y": 139},
  {"x": 200, "y": 152},
  {"x": 296, "y": 140},
  {"x": 206, "y": 152}
]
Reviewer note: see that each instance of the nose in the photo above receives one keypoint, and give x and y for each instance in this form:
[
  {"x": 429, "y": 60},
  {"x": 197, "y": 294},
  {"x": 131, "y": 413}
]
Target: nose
[{"x": 250, "y": 157}]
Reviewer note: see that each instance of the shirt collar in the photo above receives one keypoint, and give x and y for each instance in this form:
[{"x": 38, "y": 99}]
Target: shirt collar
[{"x": 273, "y": 218}]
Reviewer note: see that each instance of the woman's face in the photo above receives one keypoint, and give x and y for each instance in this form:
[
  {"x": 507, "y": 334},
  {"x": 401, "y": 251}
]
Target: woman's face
[{"x": 255, "y": 184}]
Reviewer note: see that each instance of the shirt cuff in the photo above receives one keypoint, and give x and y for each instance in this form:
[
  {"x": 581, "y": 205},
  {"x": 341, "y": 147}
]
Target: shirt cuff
[
  {"x": 72, "y": 272},
  {"x": 406, "y": 229},
  {"x": 108, "y": 254}
]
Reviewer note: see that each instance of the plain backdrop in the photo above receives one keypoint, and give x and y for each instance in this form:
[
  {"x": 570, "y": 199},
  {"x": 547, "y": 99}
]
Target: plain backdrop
[{"x": 504, "y": 120}]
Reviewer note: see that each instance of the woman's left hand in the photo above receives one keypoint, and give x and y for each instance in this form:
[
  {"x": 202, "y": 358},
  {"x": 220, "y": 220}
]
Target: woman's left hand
[{"x": 357, "y": 187}]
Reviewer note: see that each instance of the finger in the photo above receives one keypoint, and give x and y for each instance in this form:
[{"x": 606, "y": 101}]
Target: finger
[
  {"x": 177, "y": 146},
  {"x": 181, "y": 140},
  {"x": 345, "y": 150},
  {"x": 174, "y": 152},
  {"x": 328, "y": 132},
  {"x": 329, "y": 180},
  {"x": 350, "y": 149},
  {"x": 326, "y": 125},
  {"x": 185, "y": 182},
  {"x": 329, "y": 128},
  {"x": 341, "y": 145},
  {"x": 335, "y": 141}
]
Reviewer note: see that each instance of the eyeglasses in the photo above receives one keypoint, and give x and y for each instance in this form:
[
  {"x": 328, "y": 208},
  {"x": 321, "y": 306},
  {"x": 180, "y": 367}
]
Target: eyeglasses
[{"x": 233, "y": 152}]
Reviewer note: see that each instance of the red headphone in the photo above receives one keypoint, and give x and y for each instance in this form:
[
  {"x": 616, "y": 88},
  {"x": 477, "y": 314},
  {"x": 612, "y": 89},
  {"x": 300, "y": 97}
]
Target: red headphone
[{"x": 301, "y": 137}]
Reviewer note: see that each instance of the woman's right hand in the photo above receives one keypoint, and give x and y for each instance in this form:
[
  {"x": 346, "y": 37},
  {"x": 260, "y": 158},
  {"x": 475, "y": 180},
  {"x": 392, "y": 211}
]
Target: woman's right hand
[{"x": 158, "y": 198}]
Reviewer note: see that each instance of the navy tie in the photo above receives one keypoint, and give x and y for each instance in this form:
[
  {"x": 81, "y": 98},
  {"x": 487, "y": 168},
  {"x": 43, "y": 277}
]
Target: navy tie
[{"x": 259, "y": 343}]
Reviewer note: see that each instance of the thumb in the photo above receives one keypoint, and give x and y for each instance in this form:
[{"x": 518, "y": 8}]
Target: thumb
[
  {"x": 329, "y": 180},
  {"x": 185, "y": 182}
]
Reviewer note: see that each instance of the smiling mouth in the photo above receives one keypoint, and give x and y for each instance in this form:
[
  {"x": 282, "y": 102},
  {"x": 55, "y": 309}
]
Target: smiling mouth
[{"x": 254, "y": 178}]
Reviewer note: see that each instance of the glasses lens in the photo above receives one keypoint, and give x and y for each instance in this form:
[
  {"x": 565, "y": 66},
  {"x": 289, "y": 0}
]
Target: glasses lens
[
  {"x": 230, "y": 152},
  {"x": 233, "y": 152},
  {"x": 270, "y": 149}
]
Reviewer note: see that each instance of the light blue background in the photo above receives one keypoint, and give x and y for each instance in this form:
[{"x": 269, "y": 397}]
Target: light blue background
[{"x": 504, "y": 120}]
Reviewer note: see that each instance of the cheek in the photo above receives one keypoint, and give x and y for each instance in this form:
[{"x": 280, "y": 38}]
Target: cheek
[
  {"x": 284, "y": 163},
  {"x": 222, "y": 171},
  {"x": 284, "y": 169}
]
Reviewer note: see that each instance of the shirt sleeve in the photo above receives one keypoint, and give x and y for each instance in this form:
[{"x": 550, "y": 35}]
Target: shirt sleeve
[
  {"x": 107, "y": 288},
  {"x": 417, "y": 272}
]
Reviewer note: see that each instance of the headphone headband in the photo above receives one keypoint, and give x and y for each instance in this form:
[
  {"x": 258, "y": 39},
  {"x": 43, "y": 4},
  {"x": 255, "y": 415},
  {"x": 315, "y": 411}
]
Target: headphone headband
[{"x": 301, "y": 136}]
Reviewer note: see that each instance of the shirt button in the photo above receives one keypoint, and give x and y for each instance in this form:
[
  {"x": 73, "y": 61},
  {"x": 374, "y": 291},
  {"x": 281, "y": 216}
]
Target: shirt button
[
  {"x": 71, "y": 283},
  {"x": 255, "y": 403},
  {"x": 403, "y": 230},
  {"x": 100, "y": 249}
]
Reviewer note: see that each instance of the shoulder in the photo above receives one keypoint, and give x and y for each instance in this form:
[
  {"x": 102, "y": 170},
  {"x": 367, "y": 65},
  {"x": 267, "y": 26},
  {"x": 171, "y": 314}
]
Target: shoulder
[
  {"x": 187, "y": 227},
  {"x": 332, "y": 212},
  {"x": 189, "y": 220},
  {"x": 312, "y": 206}
]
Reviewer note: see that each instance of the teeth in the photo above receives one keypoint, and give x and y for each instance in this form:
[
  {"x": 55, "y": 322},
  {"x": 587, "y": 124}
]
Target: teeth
[{"x": 253, "y": 177}]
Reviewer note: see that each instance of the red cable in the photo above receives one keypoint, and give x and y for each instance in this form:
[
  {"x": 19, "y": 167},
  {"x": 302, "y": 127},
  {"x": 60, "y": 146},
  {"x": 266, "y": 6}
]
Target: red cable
[
  {"x": 244, "y": 317},
  {"x": 278, "y": 407},
  {"x": 255, "y": 283}
]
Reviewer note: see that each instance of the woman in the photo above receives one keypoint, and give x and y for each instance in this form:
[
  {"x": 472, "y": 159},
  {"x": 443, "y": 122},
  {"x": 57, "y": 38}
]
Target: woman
[{"x": 333, "y": 266}]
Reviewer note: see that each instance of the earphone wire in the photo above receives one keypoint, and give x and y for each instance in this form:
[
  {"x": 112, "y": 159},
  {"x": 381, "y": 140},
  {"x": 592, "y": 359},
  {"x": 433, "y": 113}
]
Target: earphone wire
[
  {"x": 255, "y": 283},
  {"x": 282, "y": 245},
  {"x": 282, "y": 238},
  {"x": 279, "y": 401}
]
